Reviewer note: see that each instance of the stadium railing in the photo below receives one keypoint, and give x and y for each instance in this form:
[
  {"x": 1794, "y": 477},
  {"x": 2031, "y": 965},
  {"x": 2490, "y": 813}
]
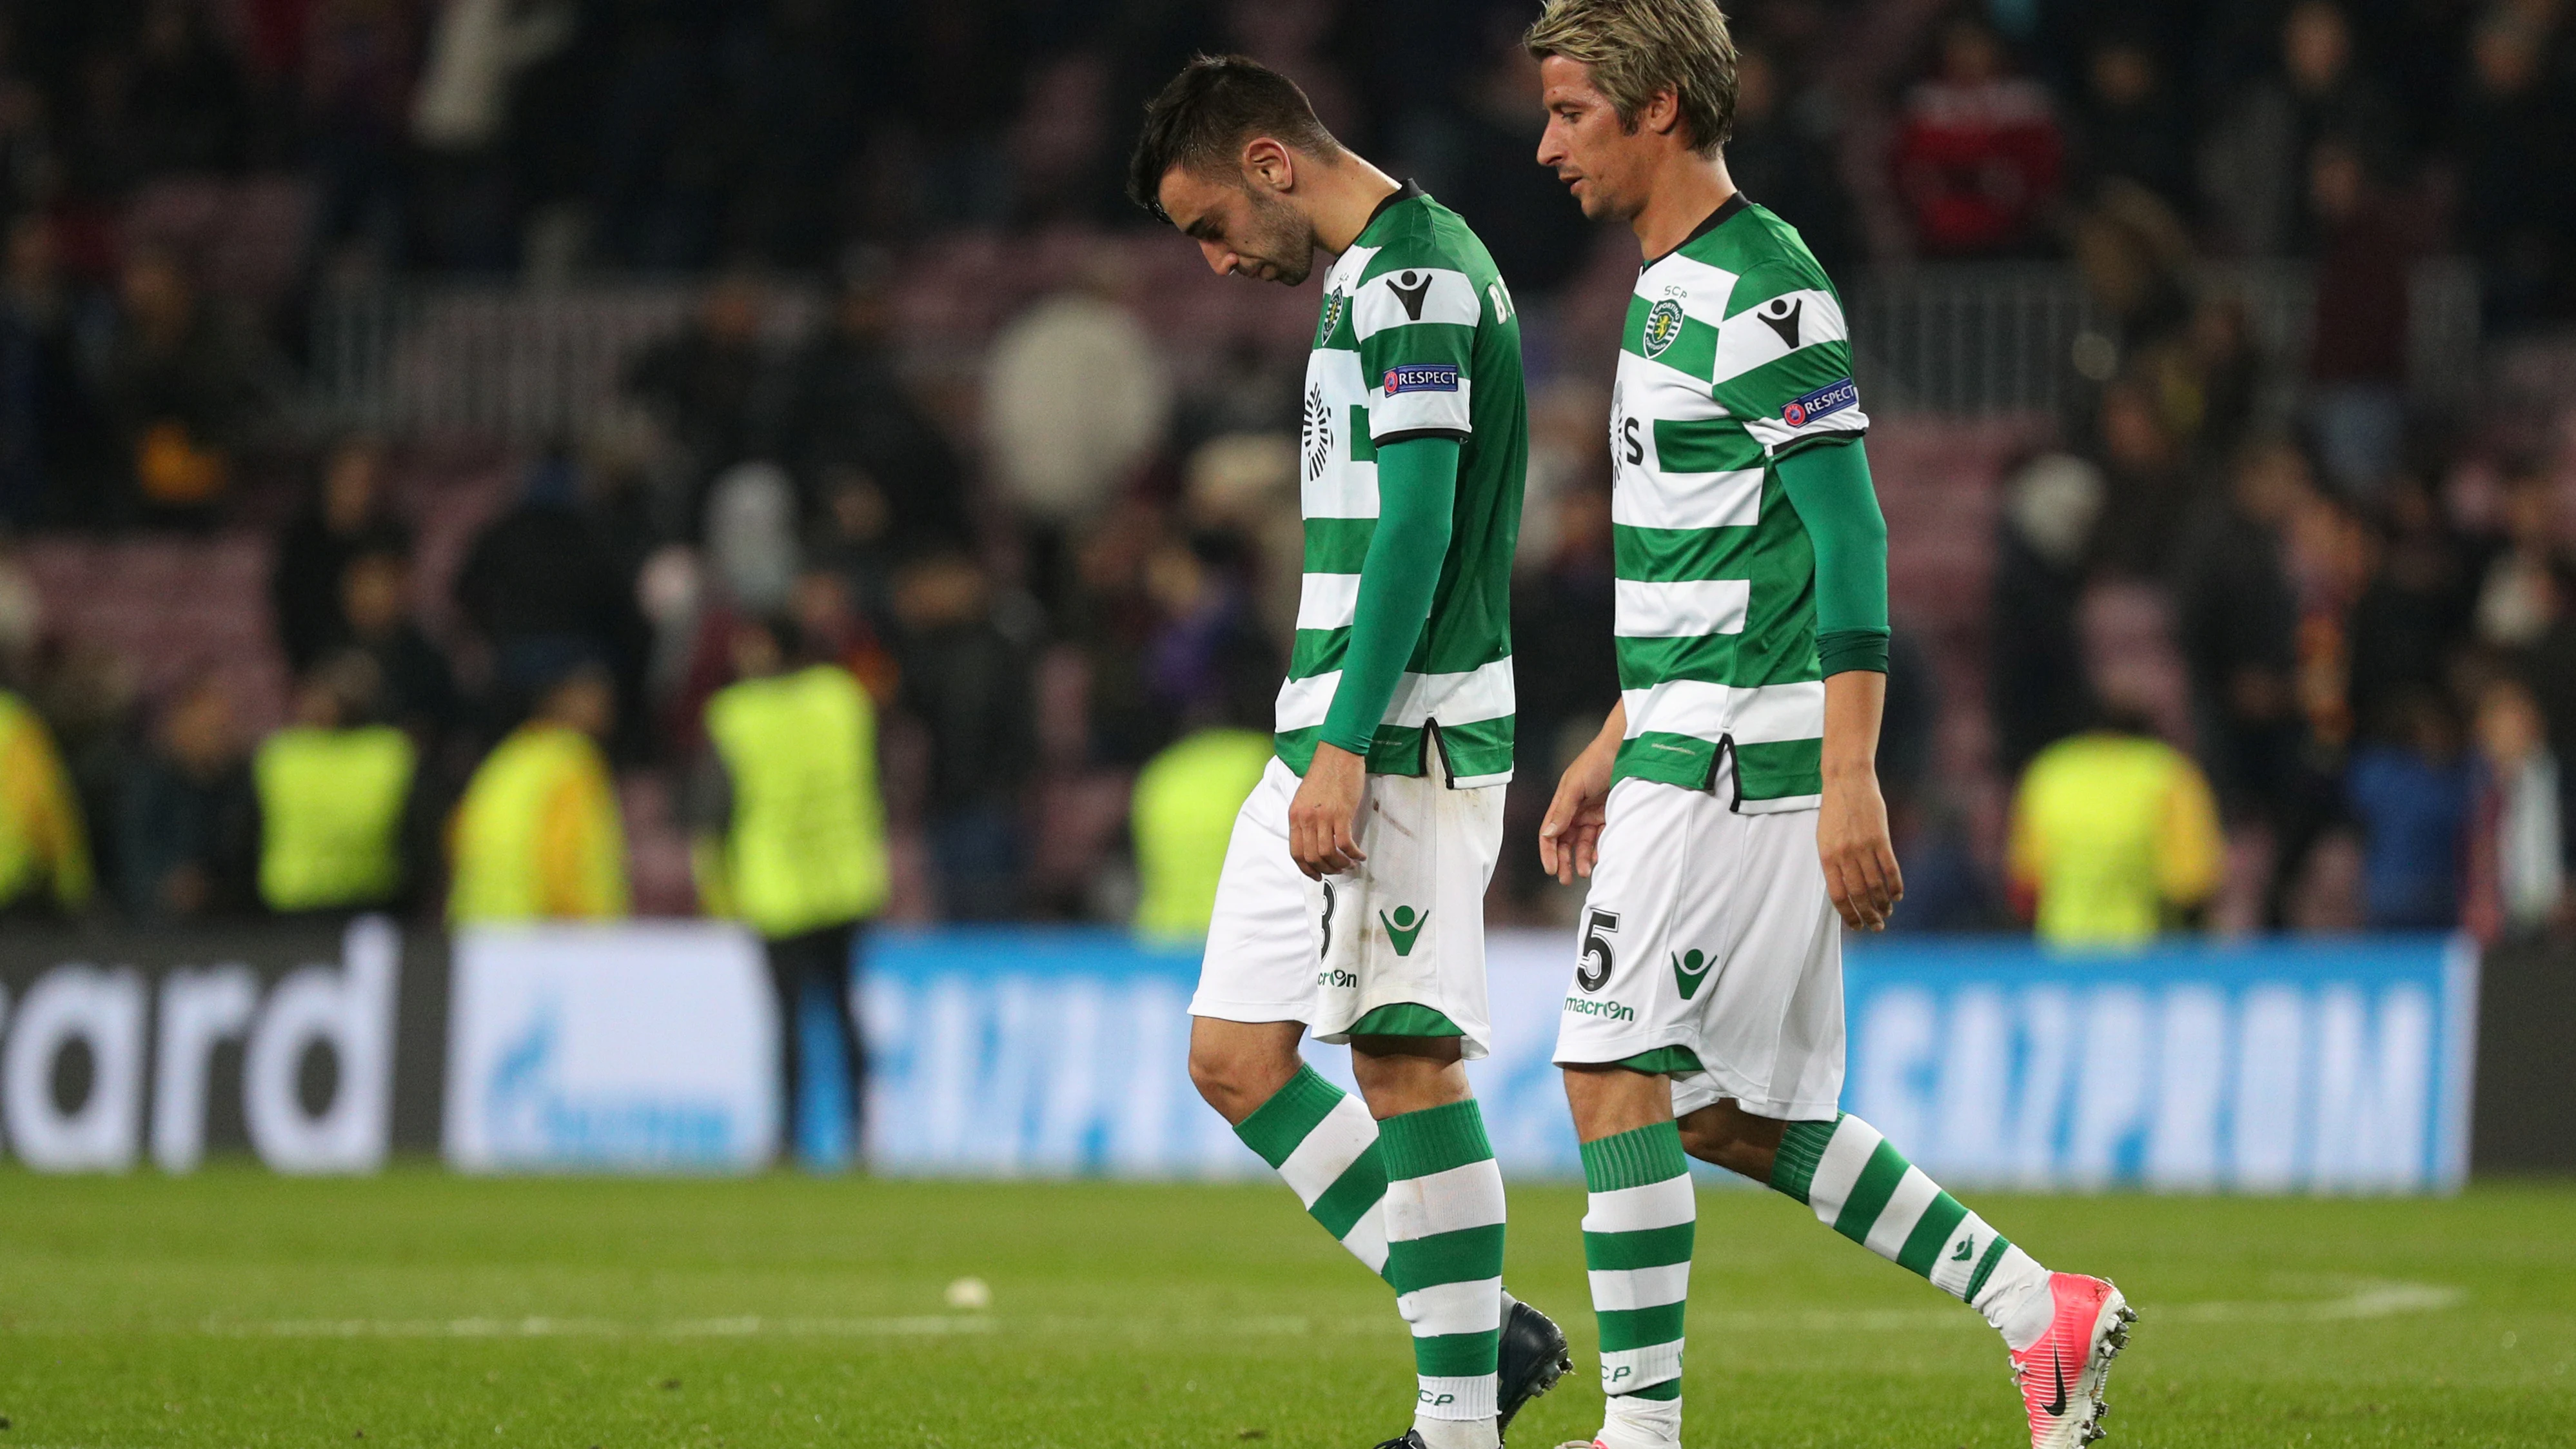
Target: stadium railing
[
  {"x": 1979, "y": 339},
  {"x": 530, "y": 365}
]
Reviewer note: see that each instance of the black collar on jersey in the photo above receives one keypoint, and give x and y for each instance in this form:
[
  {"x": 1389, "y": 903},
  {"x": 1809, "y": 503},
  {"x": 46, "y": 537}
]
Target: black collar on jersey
[
  {"x": 1725, "y": 212},
  {"x": 1409, "y": 190}
]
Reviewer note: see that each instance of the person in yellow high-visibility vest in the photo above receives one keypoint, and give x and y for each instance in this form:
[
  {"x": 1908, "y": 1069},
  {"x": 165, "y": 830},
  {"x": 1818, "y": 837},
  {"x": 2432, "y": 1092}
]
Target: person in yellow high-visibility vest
[
  {"x": 1182, "y": 819},
  {"x": 538, "y": 836},
  {"x": 336, "y": 797},
  {"x": 790, "y": 830},
  {"x": 2114, "y": 836},
  {"x": 44, "y": 852}
]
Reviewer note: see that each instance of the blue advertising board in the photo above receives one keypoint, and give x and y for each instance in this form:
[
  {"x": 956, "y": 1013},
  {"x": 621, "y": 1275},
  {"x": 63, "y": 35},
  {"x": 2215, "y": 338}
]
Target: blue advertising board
[
  {"x": 2272, "y": 1066},
  {"x": 2339, "y": 1065}
]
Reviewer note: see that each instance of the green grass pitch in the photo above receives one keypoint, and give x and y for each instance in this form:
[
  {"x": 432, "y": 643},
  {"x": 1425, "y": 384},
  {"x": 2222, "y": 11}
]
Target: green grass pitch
[{"x": 237, "y": 1309}]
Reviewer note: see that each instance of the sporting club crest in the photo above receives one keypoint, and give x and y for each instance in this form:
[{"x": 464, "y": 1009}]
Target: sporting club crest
[
  {"x": 1334, "y": 302},
  {"x": 1663, "y": 324}
]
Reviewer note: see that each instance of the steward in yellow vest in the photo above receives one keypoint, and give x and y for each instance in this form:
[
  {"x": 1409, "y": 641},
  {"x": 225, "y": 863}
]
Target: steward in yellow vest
[
  {"x": 538, "y": 836},
  {"x": 803, "y": 845},
  {"x": 2114, "y": 836},
  {"x": 790, "y": 829},
  {"x": 44, "y": 853},
  {"x": 1182, "y": 819},
  {"x": 335, "y": 798}
]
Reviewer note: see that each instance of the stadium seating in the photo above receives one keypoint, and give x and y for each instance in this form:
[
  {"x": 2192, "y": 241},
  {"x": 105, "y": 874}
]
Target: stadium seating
[{"x": 172, "y": 608}]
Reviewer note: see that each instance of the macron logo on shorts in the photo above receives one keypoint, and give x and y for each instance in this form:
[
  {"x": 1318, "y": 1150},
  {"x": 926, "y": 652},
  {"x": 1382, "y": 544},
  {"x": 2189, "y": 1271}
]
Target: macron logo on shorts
[
  {"x": 1420, "y": 377},
  {"x": 1606, "y": 1010}
]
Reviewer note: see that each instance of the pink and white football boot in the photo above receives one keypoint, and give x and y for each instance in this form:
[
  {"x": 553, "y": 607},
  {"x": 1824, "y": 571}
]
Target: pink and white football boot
[{"x": 2061, "y": 1377}]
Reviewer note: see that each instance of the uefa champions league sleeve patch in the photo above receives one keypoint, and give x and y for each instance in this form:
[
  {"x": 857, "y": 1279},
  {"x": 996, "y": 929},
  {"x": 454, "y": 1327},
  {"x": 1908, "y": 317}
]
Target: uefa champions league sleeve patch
[
  {"x": 1833, "y": 397},
  {"x": 1420, "y": 377}
]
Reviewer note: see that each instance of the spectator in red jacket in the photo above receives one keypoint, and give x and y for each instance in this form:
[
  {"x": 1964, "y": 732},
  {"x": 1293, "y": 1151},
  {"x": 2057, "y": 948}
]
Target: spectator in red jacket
[{"x": 1979, "y": 151}]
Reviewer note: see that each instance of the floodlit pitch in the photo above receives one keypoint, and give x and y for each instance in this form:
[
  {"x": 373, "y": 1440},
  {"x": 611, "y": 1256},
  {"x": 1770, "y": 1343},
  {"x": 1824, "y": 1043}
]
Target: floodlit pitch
[{"x": 235, "y": 1308}]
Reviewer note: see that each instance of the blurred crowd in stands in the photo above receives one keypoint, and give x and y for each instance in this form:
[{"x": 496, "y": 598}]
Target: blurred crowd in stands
[
  {"x": 510, "y": 136},
  {"x": 2350, "y": 616}
]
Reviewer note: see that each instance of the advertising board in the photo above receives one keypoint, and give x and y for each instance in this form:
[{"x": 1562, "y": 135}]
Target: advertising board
[
  {"x": 314, "y": 1045},
  {"x": 2281, "y": 1066},
  {"x": 2337, "y": 1065},
  {"x": 648, "y": 1047}
]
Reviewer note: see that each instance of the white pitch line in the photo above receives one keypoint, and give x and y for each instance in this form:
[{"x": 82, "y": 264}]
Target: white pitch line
[
  {"x": 925, "y": 1326},
  {"x": 542, "y": 1327},
  {"x": 2369, "y": 1298},
  {"x": 535, "y": 1327},
  {"x": 2373, "y": 1299}
]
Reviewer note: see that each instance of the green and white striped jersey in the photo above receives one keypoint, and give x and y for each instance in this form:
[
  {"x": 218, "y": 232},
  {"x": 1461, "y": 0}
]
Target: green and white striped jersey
[
  {"x": 1734, "y": 355},
  {"x": 1417, "y": 338}
]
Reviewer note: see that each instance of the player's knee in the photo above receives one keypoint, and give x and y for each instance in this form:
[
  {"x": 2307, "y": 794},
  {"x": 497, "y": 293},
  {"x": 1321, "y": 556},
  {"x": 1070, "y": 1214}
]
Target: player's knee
[
  {"x": 1234, "y": 1083},
  {"x": 1214, "y": 1076}
]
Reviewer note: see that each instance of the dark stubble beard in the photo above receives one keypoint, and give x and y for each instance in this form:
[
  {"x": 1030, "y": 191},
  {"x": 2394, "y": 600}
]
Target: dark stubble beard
[{"x": 1284, "y": 239}]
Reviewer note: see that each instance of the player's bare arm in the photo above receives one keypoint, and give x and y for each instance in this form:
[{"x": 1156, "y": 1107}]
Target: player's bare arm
[{"x": 1851, "y": 829}]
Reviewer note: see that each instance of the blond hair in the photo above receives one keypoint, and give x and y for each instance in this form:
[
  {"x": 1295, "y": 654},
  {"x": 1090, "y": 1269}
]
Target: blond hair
[{"x": 1637, "y": 48}]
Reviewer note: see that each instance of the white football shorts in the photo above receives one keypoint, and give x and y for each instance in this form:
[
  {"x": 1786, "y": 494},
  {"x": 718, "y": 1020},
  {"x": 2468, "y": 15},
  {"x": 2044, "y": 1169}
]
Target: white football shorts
[
  {"x": 1710, "y": 930},
  {"x": 1405, "y": 929}
]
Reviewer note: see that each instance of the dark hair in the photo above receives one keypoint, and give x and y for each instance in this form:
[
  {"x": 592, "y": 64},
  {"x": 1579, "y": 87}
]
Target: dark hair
[{"x": 1202, "y": 119}]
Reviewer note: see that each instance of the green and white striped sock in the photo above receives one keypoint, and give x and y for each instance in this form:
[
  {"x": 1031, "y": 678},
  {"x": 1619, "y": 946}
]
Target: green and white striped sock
[
  {"x": 1864, "y": 1189},
  {"x": 1323, "y": 1144},
  {"x": 1637, "y": 1230},
  {"x": 1444, "y": 1231}
]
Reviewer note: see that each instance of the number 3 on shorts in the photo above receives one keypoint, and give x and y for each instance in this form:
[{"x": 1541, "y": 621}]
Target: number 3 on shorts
[{"x": 1594, "y": 972}]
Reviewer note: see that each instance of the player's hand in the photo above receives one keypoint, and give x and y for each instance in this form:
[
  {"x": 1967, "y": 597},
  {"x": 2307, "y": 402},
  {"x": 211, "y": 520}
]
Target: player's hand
[
  {"x": 1323, "y": 820},
  {"x": 1858, "y": 854},
  {"x": 1569, "y": 839}
]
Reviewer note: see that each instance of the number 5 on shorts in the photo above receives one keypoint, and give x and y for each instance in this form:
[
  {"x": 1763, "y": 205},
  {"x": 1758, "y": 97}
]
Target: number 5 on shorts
[{"x": 1597, "y": 959}]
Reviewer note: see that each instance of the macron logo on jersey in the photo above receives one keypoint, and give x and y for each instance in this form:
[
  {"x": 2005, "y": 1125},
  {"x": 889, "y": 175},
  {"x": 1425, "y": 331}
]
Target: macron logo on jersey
[
  {"x": 1833, "y": 397},
  {"x": 1422, "y": 377}
]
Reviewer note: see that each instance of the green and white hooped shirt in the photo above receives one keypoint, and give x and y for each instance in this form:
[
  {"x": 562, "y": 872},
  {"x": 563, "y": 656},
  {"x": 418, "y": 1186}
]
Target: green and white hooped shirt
[
  {"x": 1417, "y": 338},
  {"x": 1734, "y": 355}
]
